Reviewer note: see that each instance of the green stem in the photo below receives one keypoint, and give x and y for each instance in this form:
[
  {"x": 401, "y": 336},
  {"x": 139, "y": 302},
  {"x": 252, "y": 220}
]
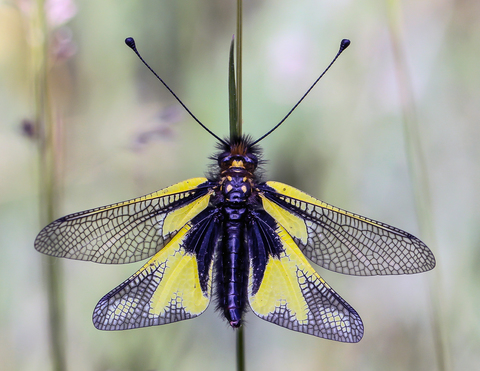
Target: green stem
[
  {"x": 48, "y": 180},
  {"x": 418, "y": 171},
  {"x": 239, "y": 40},
  {"x": 232, "y": 93},
  {"x": 235, "y": 132},
  {"x": 240, "y": 350}
]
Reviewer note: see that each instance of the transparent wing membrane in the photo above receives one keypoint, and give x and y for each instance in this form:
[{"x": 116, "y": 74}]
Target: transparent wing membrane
[
  {"x": 342, "y": 241},
  {"x": 127, "y": 231}
]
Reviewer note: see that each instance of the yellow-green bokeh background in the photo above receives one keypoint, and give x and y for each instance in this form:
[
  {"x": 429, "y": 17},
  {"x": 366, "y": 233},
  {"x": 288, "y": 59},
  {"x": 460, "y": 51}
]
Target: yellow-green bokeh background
[{"x": 125, "y": 136}]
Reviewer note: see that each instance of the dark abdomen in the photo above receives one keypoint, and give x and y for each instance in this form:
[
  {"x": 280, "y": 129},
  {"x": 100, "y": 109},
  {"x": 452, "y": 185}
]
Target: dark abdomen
[{"x": 232, "y": 273}]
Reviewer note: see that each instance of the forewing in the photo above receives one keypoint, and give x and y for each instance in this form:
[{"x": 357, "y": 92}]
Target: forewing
[
  {"x": 291, "y": 294},
  {"x": 128, "y": 231},
  {"x": 173, "y": 285},
  {"x": 342, "y": 241}
]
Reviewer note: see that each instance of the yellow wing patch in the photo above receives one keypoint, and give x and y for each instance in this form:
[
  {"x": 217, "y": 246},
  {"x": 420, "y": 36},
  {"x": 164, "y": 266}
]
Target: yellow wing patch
[
  {"x": 179, "y": 279},
  {"x": 280, "y": 286},
  {"x": 292, "y": 223},
  {"x": 176, "y": 219},
  {"x": 294, "y": 296},
  {"x": 166, "y": 289}
]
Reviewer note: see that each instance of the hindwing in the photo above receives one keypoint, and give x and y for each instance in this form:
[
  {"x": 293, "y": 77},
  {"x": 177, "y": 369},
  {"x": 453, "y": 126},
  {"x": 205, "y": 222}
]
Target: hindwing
[
  {"x": 174, "y": 285},
  {"x": 342, "y": 241},
  {"x": 284, "y": 289},
  {"x": 128, "y": 231}
]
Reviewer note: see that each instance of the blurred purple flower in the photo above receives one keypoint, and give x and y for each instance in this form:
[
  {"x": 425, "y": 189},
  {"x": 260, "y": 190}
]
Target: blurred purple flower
[{"x": 59, "y": 11}]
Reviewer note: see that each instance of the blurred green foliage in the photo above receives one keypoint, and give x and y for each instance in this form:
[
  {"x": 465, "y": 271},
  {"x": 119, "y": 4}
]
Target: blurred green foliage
[{"x": 124, "y": 135}]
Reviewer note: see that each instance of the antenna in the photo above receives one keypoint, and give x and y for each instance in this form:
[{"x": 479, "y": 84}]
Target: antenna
[
  {"x": 131, "y": 44},
  {"x": 343, "y": 45}
]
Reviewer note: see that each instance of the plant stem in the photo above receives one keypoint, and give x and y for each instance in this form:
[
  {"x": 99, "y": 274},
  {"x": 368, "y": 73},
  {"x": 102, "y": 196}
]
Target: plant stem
[
  {"x": 240, "y": 349},
  {"x": 239, "y": 67},
  {"x": 232, "y": 92},
  {"x": 419, "y": 173},
  {"x": 236, "y": 132},
  {"x": 48, "y": 181}
]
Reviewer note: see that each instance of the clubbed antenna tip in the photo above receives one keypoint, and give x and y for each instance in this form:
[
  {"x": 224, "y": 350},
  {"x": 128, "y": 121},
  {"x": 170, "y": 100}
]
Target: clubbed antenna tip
[
  {"x": 343, "y": 44},
  {"x": 130, "y": 42}
]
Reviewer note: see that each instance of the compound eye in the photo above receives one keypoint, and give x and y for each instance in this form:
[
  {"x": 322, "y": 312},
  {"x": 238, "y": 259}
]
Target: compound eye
[
  {"x": 251, "y": 162},
  {"x": 224, "y": 160}
]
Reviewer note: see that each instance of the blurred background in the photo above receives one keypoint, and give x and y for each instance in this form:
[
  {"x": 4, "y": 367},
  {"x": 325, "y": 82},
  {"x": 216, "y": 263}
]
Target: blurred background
[{"x": 119, "y": 134}]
